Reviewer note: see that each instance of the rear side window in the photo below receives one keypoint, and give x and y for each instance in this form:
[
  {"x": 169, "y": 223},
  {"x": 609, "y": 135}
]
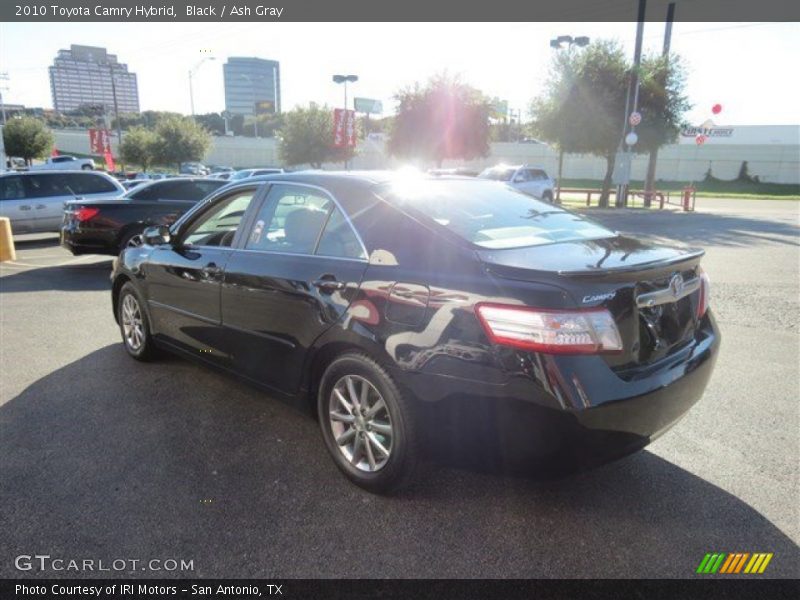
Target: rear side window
[
  {"x": 537, "y": 175},
  {"x": 490, "y": 215},
  {"x": 87, "y": 183},
  {"x": 11, "y": 188},
  {"x": 46, "y": 185},
  {"x": 498, "y": 174},
  {"x": 338, "y": 238}
]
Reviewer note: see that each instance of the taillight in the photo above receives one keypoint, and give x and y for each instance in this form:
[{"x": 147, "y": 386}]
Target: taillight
[
  {"x": 84, "y": 213},
  {"x": 705, "y": 292},
  {"x": 550, "y": 331}
]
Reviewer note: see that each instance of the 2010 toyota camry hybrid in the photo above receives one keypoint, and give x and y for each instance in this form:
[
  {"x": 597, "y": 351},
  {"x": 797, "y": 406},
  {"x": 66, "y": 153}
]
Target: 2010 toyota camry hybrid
[{"x": 399, "y": 306}]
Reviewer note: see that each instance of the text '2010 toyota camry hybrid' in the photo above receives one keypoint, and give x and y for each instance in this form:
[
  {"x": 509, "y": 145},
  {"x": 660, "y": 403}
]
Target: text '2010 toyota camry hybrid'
[{"x": 418, "y": 314}]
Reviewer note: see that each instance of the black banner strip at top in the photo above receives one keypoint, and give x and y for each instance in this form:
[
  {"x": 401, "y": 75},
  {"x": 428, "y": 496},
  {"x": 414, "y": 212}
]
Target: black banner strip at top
[
  {"x": 712, "y": 588},
  {"x": 393, "y": 10}
]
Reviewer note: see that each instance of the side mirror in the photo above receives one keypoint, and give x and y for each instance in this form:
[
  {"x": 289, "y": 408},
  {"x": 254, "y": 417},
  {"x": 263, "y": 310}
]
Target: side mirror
[{"x": 157, "y": 235}]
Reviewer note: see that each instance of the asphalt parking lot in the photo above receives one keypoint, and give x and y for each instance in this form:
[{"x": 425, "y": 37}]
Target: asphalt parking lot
[{"x": 102, "y": 457}]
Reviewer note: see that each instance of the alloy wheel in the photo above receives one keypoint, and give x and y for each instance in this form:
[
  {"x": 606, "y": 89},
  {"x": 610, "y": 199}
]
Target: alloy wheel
[
  {"x": 360, "y": 423},
  {"x": 132, "y": 323},
  {"x": 135, "y": 241}
]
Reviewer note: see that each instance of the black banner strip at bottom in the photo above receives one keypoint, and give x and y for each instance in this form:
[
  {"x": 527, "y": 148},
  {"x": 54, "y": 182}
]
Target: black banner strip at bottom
[{"x": 729, "y": 588}]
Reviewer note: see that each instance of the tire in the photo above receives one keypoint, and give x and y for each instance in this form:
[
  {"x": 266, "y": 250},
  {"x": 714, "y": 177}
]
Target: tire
[
  {"x": 391, "y": 429},
  {"x": 86, "y": 168},
  {"x": 130, "y": 239},
  {"x": 547, "y": 197},
  {"x": 138, "y": 341}
]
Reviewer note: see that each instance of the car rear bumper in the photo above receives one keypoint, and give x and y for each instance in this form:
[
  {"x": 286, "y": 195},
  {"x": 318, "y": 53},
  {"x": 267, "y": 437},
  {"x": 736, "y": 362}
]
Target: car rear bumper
[
  {"x": 560, "y": 405},
  {"x": 78, "y": 242}
]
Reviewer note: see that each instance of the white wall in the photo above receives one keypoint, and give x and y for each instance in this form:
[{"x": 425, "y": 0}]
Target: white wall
[{"x": 775, "y": 163}]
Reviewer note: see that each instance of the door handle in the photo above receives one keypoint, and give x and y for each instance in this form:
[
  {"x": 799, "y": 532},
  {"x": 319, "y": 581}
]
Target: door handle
[
  {"x": 40, "y": 206},
  {"x": 328, "y": 285},
  {"x": 24, "y": 207}
]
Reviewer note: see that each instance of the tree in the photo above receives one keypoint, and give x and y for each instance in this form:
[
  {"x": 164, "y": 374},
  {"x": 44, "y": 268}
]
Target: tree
[
  {"x": 28, "y": 138},
  {"x": 662, "y": 103},
  {"x": 446, "y": 119},
  {"x": 179, "y": 139},
  {"x": 139, "y": 147},
  {"x": 582, "y": 107},
  {"x": 307, "y": 137}
]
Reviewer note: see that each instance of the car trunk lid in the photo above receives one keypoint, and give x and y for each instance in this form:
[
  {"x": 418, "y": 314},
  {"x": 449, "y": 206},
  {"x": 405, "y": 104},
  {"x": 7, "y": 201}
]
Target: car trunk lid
[{"x": 652, "y": 292}]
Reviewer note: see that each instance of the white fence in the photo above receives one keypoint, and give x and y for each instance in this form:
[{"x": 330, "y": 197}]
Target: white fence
[{"x": 774, "y": 163}]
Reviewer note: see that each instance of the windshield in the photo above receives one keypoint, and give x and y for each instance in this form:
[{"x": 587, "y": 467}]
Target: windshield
[
  {"x": 492, "y": 215},
  {"x": 498, "y": 174}
]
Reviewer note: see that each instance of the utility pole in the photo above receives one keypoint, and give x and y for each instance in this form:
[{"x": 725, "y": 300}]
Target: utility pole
[
  {"x": 649, "y": 184},
  {"x": 633, "y": 90},
  {"x": 3, "y": 77}
]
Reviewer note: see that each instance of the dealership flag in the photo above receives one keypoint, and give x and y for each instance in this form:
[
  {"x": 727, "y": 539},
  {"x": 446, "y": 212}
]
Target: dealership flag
[
  {"x": 110, "y": 166},
  {"x": 344, "y": 128}
]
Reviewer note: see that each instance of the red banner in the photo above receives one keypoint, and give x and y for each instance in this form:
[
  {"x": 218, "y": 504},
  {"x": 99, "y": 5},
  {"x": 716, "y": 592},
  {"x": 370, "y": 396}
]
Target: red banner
[
  {"x": 110, "y": 166},
  {"x": 344, "y": 128},
  {"x": 99, "y": 141}
]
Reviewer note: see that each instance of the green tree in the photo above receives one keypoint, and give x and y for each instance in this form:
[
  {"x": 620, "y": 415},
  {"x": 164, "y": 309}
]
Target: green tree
[
  {"x": 445, "y": 119},
  {"x": 582, "y": 107},
  {"x": 662, "y": 103},
  {"x": 179, "y": 139},
  {"x": 306, "y": 137},
  {"x": 28, "y": 138},
  {"x": 139, "y": 146}
]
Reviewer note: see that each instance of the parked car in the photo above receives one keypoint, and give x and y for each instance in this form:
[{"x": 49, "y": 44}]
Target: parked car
[
  {"x": 224, "y": 175},
  {"x": 463, "y": 171},
  {"x": 397, "y": 306},
  {"x": 35, "y": 201},
  {"x": 193, "y": 168},
  {"x": 129, "y": 184},
  {"x": 245, "y": 173},
  {"x": 221, "y": 169},
  {"x": 65, "y": 163},
  {"x": 533, "y": 181},
  {"x": 106, "y": 226}
]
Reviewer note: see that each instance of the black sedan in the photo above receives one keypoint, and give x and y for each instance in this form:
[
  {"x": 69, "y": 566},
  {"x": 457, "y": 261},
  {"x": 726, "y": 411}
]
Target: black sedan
[
  {"x": 106, "y": 226},
  {"x": 400, "y": 307}
]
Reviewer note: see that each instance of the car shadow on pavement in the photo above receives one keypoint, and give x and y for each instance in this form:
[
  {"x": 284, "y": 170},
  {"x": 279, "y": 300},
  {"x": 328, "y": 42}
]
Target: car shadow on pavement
[
  {"x": 700, "y": 228},
  {"x": 110, "y": 458},
  {"x": 69, "y": 278}
]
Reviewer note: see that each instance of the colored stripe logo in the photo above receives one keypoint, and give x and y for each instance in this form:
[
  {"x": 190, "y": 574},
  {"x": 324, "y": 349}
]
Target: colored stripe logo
[{"x": 733, "y": 563}]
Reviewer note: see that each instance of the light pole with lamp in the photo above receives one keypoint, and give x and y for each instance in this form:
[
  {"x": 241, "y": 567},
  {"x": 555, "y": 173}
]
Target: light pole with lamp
[
  {"x": 556, "y": 44},
  {"x": 192, "y": 72},
  {"x": 345, "y": 79}
]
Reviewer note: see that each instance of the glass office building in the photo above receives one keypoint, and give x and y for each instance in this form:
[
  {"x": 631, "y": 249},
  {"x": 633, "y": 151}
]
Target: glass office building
[
  {"x": 252, "y": 85},
  {"x": 83, "y": 75}
]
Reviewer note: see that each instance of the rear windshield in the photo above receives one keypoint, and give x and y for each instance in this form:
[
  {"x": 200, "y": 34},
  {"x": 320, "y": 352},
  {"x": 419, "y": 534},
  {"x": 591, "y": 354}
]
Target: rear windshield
[
  {"x": 491, "y": 215},
  {"x": 42, "y": 185},
  {"x": 498, "y": 174}
]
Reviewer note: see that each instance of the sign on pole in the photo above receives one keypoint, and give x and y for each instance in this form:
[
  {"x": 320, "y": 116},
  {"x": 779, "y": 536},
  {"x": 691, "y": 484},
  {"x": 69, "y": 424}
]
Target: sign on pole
[
  {"x": 265, "y": 107},
  {"x": 99, "y": 141},
  {"x": 344, "y": 128},
  {"x": 635, "y": 118},
  {"x": 368, "y": 106}
]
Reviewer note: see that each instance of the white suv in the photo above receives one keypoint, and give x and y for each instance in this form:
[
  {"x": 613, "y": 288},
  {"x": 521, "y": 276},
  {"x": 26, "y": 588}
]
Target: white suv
[{"x": 533, "y": 181}]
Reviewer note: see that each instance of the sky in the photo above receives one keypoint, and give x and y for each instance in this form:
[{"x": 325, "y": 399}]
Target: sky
[{"x": 745, "y": 67}]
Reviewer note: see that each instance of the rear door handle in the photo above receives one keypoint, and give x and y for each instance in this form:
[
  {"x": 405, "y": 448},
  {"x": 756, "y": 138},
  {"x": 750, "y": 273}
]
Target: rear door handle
[
  {"x": 329, "y": 285},
  {"x": 24, "y": 207},
  {"x": 40, "y": 206}
]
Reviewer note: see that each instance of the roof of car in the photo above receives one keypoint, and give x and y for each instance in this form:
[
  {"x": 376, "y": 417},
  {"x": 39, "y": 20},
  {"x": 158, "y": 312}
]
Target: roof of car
[
  {"x": 366, "y": 178},
  {"x": 57, "y": 172}
]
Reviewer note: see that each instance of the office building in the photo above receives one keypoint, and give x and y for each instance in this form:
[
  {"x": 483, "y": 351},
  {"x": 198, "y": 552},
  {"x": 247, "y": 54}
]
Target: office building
[
  {"x": 252, "y": 85},
  {"x": 83, "y": 75}
]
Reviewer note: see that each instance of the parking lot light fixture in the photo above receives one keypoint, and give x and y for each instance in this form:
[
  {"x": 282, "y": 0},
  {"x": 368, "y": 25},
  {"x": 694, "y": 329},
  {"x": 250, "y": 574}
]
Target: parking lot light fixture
[{"x": 192, "y": 72}]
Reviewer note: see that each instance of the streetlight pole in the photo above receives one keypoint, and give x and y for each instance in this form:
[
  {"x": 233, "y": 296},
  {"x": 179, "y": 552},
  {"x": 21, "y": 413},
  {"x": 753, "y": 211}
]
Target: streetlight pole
[
  {"x": 116, "y": 105},
  {"x": 345, "y": 79},
  {"x": 192, "y": 72},
  {"x": 555, "y": 44}
]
